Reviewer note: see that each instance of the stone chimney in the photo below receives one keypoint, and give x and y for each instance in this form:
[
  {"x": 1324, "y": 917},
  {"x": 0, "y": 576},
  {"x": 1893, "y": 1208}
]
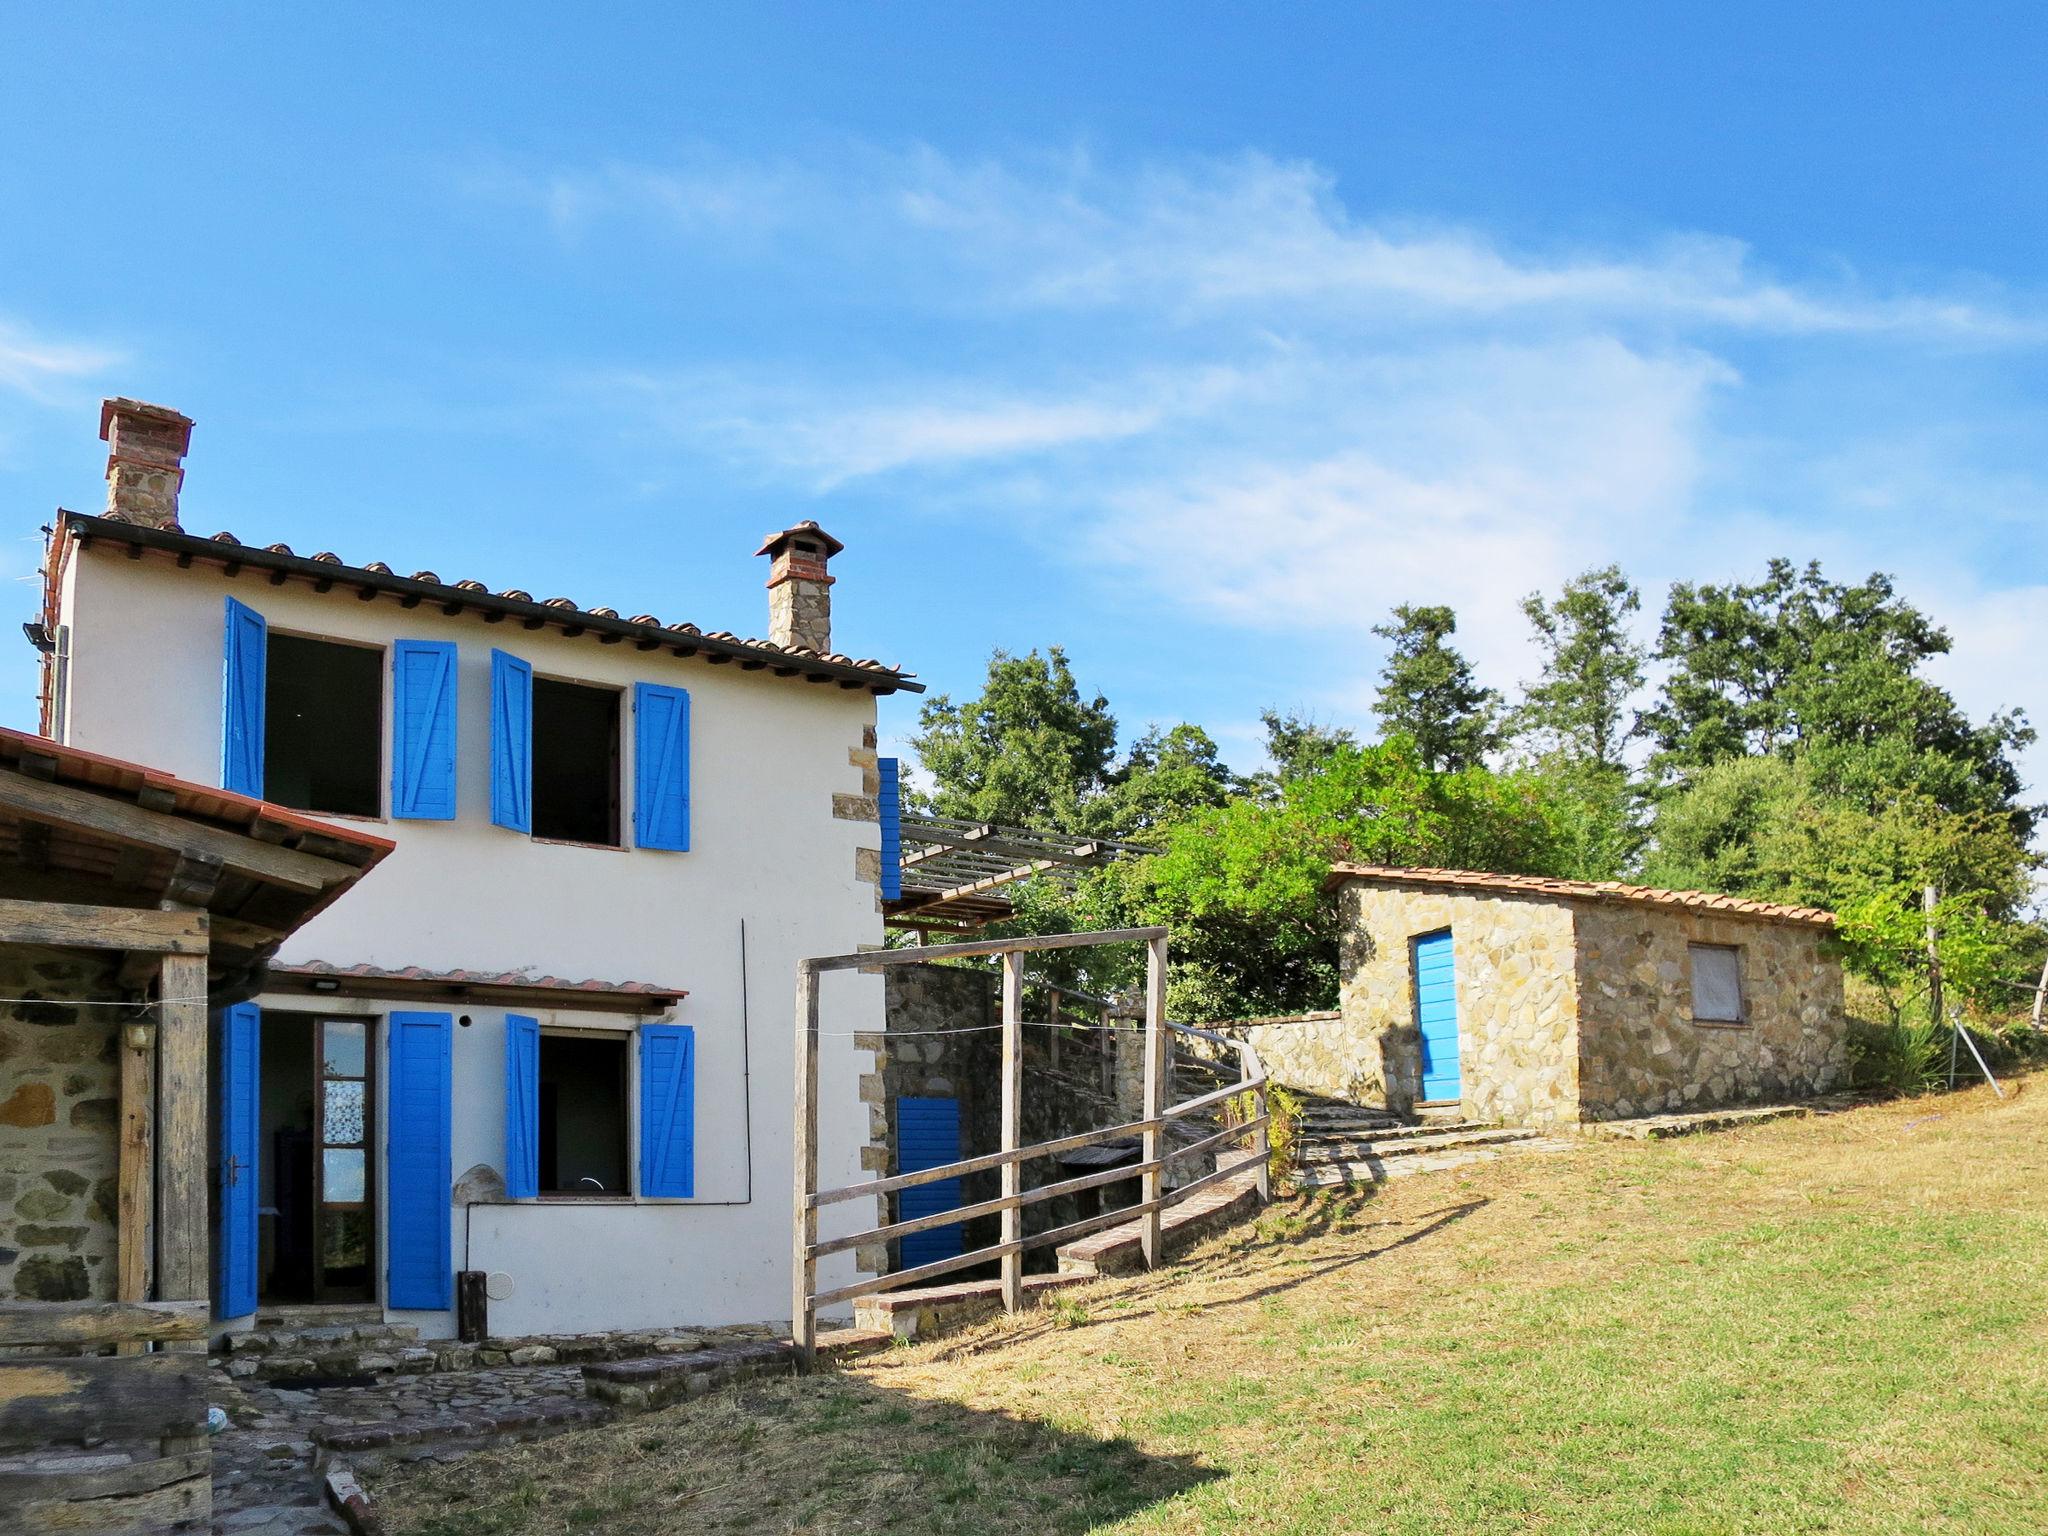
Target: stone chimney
[
  {"x": 799, "y": 591},
  {"x": 145, "y": 460}
]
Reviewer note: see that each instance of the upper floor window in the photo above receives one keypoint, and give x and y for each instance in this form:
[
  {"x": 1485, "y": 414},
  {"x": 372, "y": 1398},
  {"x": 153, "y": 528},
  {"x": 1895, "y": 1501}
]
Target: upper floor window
[
  {"x": 575, "y": 762},
  {"x": 1716, "y": 983},
  {"x": 323, "y": 739}
]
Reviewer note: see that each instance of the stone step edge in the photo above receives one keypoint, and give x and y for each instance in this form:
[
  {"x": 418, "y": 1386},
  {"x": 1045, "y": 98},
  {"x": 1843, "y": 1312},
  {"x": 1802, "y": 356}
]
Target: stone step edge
[
  {"x": 424, "y": 1428},
  {"x": 931, "y": 1310},
  {"x": 635, "y": 1386},
  {"x": 1690, "y": 1123},
  {"x": 1395, "y": 1132},
  {"x": 1310, "y": 1152}
]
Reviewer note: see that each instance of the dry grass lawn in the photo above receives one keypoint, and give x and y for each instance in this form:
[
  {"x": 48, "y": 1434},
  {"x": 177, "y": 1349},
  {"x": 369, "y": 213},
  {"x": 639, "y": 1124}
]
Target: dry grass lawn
[{"x": 1834, "y": 1324}]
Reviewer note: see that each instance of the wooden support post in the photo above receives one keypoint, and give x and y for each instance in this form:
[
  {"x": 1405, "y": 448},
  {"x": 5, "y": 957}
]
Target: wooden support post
[
  {"x": 1013, "y": 1105},
  {"x": 1929, "y": 899},
  {"x": 136, "y": 1169},
  {"x": 1052, "y": 1032},
  {"x": 182, "y": 1269},
  {"x": 803, "y": 1320},
  {"x": 1155, "y": 1082},
  {"x": 1262, "y": 1139},
  {"x": 2040, "y": 994}
]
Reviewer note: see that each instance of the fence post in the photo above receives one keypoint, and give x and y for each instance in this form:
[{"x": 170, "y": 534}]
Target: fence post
[
  {"x": 1013, "y": 1095},
  {"x": 1155, "y": 1076},
  {"x": 803, "y": 1319},
  {"x": 1261, "y": 1106}
]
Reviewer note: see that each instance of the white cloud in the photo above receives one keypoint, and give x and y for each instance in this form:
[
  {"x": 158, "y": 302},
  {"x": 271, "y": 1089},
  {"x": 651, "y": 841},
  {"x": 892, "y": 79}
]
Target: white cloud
[{"x": 41, "y": 368}]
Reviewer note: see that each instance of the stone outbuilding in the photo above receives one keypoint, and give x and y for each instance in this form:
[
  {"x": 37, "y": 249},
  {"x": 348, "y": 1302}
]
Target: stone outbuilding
[{"x": 1533, "y": 1001}]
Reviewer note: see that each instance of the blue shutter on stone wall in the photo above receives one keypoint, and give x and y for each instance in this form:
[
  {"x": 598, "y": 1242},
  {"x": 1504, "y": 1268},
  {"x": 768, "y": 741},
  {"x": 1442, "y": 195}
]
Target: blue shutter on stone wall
[
  {"x": 241, "y": 1030},
  {"x": 242, "y": 682},
  {"x": 419, "y": 1173},
  {"x": 661, "y": 767},
  {"x": 511, "y": 742},
  {"x": 522, "y": 1106},
  {"x": 668, "y": 1110},
  {"x": 890, "y": 801},
  {"x": 423, "y": 730}
]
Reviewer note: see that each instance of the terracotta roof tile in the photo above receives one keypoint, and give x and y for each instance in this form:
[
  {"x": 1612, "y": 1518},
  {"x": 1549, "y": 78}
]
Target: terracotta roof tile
[
  {"x": 1578, "y": 890},
  {"x": 851, "y": 672},
  {"x": 466, "y": 978}
]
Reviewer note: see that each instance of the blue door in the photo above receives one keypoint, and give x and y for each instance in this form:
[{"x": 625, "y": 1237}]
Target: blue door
[
  {"x": 928, "y": 1136},
  {"x": 1436, "y": 1015},
  {"x": 419, "y": 1247},
  {"x": 240, "y": 1106}
]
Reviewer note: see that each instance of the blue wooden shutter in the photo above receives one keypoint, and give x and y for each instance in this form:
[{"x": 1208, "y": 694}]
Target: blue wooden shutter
[
  {"x": 420, "y": 1178},
  {"x": 241, "y": 1033},
  {"x": 241, "y": 723},
  {"x": 661, "y": 767},
  {"x": 891, "y": 802},
  {"x": 522, "y": 1106},
  {"x": 927, "y": 1136},
  {"x": 668, "y": 1110},
  {"x": 511, "y": 742},
  {"x": 423, "y": 730}
]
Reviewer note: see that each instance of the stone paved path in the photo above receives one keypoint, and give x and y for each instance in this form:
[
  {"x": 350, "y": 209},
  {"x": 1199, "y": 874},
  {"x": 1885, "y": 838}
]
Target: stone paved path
[{"x": 265, "y": 1476}]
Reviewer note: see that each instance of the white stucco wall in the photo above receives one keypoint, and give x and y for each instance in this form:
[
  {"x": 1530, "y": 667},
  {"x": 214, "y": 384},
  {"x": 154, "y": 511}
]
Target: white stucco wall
[{"x": 767, "y": 755}]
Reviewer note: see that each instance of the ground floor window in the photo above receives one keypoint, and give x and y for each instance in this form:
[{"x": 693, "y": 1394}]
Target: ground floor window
[
  {"x": 583, "y": 1118},
  {"x": 1716, "y": 983}
]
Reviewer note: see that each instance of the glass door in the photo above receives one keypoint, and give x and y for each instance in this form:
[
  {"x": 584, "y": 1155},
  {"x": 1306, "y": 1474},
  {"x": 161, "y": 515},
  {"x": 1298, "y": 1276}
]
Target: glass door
[{"x": 344, "y": 1269}]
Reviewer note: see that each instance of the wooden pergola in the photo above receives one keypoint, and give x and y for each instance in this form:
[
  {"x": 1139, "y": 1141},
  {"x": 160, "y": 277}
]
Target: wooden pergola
[
  {"x": 194, "y": 888},
  {"x": 955, "y": 876}
]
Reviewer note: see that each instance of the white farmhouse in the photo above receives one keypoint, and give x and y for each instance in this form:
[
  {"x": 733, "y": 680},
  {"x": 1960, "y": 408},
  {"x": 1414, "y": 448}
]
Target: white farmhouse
[{"x": 551, "y": 1040}]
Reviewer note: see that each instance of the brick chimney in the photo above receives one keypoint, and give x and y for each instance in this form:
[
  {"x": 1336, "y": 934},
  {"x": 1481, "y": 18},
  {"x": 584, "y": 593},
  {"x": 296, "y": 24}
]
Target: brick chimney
[
  {"x": 799, "y": 591},
  {"x": 145, "y": 460}
]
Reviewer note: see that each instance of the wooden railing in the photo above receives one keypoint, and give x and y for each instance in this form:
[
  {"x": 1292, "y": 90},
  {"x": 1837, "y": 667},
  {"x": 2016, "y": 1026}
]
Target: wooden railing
[
  {"x": 55, "y": 1408},
  {"x": 1009, "y": 1204}
]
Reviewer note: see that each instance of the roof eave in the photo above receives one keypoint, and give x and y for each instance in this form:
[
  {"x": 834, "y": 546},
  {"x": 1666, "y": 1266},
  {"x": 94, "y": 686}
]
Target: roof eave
[{"x": 455, "y": 600}]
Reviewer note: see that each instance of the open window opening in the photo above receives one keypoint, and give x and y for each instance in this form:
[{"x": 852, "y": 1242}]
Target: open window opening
[
  {"x": 583, "y": 1124},
  {"x": 323, "y": 740},
  {"x": 575, "y": 762}
]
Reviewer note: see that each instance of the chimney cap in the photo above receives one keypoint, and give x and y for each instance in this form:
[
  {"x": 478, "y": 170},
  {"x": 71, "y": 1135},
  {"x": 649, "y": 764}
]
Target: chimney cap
[
  {"x": 775, "y": 542},
  {"x": 121, "y": 405}
]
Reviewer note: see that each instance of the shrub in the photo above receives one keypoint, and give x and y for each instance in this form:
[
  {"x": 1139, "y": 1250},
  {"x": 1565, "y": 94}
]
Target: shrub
[{"x": 1904, "y": 1057}]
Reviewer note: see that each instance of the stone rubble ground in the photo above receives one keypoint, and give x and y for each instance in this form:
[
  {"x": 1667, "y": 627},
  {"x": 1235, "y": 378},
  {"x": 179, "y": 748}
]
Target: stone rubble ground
[{"x": 270, "y": 1464}]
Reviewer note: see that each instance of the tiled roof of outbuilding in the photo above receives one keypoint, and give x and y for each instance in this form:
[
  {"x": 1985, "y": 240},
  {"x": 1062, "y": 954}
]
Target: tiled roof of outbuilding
[
  {"x": 327, "y": 571},
  {"x": 1484, "y": 881}
]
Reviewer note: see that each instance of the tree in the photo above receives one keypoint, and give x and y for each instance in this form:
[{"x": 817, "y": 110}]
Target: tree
[
  {"x": 1798, "y": 666},
  {"x": 1030, "y": 751},
  {"x": 1299, "y": 744},
  {"x": 1167, "y": 777},
  {"x": 1428, "y": 693},
  {"x": 1592, "y": 668}
]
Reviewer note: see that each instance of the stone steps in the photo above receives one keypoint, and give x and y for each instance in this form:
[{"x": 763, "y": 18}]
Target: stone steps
[
  {"x": 635, "y": 1386},
  {"x": 1310, "y": 1151},
  {"x": 1351, "y": 1175},
  {"x": 1394, "y": 1131}
]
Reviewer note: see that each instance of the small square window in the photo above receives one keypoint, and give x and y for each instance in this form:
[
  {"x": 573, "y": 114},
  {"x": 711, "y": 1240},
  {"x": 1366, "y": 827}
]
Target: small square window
[
  {"x": 575, "y": 762},
  {"x": 1716, "y": 983},
  {"x": 583, "y": 1120}
]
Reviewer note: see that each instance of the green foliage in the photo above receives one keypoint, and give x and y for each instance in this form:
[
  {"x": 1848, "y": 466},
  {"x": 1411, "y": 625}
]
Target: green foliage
[
  {"x": 1577, "y": 711},
  {"x": 1299, "y": 745},
  {"x": 1428, "y": 693},
  {"x": 1030, "y": 751},
  {"x": 1899, "y": 1056}
]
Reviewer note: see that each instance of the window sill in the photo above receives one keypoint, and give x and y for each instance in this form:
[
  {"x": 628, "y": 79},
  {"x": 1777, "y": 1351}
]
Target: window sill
[
  {"x": 570, "y": 842},
  {"x": 571, "y": 1197},
  {"x": 1720, "y": 1023},
  {"x": 374, "y": 821}
]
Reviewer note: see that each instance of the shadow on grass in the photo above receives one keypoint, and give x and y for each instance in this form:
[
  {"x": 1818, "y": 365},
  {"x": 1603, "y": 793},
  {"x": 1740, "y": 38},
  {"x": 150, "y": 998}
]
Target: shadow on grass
[{"x": 829, "y": 1452}]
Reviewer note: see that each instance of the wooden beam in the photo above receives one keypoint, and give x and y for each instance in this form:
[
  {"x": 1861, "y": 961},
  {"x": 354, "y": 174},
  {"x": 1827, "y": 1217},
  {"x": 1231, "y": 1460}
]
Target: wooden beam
[
  {"x": 1155, "y": 1086},
  {"x": 96, "y": 1398},
  {"x": 82, "y": 927},
  {"x": 803, "y": 1325},
  {"x": 181, "y": 1242},
  {"x": 123, "y": 822},
  {"x": 136, "y": 1168},
  {"x": 1012, "y": 1126},
  {"x": 867, "y": 958},
  {"x": 193, "y": 879},
  {"x": 99, "y": 1323}
]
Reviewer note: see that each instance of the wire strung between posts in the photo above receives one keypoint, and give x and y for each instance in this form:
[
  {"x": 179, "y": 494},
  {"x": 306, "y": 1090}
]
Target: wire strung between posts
[{"x": 103, "y": 1002}]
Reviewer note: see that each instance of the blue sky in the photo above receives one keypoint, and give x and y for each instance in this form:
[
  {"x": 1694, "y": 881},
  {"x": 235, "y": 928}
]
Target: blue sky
[{"x": 1191, "y": 337}]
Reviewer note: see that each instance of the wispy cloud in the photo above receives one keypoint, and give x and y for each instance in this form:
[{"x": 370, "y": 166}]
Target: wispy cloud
[{"x": 44, "y": 369}]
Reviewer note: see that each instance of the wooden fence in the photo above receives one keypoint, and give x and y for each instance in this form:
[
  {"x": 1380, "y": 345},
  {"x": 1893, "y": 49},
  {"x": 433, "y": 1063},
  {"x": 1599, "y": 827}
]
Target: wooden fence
[
  {"x": 104, "y": 1445},
  {"x": 806, "y": 1249}
]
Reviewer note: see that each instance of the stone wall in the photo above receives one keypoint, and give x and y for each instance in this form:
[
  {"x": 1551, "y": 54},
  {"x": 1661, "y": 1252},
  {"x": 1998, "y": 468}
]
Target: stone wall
[
  {"x": 1518, "y": 1003},
  {"x": 1640, "y": 1050},
  {"x": 60, "y": 1090}
]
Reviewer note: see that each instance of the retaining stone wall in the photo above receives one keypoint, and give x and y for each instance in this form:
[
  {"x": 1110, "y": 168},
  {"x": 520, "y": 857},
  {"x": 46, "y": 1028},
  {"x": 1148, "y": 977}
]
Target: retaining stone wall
[{"x": 60, "y": 1086}]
